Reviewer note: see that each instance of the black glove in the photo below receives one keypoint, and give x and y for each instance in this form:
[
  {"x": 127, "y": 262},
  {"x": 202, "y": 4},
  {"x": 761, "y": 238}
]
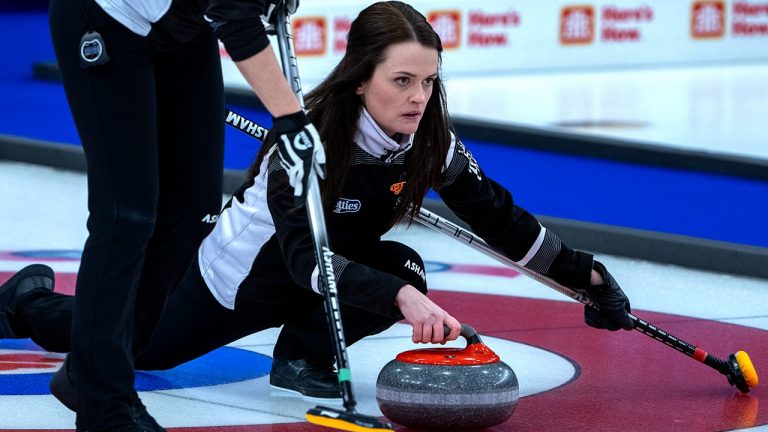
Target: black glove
[
  {"x": 613, "y": 304},
  {"x": 299, "y": 146},
  {"x": 270, "y": 6}
]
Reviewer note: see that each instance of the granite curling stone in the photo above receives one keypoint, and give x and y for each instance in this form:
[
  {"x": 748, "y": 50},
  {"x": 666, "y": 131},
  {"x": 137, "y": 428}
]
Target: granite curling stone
[{"x": 448, "y": 388}]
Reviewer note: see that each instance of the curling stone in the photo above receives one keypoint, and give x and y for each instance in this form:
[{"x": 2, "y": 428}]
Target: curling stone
[{"x": 448, "y": 388}]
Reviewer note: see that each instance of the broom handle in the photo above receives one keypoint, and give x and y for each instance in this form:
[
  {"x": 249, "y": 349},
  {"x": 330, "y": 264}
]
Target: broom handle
[{"x": 323, "y": 253}]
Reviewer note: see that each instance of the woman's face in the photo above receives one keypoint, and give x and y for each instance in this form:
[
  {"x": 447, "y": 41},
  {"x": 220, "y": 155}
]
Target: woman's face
[{"x": 397, "y": 93}]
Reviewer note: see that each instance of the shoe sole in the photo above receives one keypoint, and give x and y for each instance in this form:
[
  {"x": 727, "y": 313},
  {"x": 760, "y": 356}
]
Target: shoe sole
[{"x": 285, "y": 391}]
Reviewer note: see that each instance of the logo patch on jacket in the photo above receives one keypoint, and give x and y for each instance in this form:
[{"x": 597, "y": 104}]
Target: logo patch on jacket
[
  {"x": 346, "y": 205},
  {"x": 472, "y": 165},
  {"x": 397, "y": 187}
]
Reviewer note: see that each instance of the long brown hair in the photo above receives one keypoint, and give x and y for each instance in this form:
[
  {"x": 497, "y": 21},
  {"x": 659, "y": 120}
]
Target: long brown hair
[{"x": 335, "y": 108}]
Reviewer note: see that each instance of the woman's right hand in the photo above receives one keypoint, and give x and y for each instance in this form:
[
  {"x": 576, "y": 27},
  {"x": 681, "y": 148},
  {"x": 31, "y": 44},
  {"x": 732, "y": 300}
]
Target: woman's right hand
[{"x": 426, "y": 317}]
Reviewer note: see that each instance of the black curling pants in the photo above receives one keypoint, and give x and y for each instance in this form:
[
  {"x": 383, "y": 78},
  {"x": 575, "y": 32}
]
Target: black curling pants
[
  {"x": 151, "y": 124},
  {"x": 194, "y": 323}
]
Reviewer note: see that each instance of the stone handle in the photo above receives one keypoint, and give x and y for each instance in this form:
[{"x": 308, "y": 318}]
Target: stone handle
[{"x": 467, "y": 332}]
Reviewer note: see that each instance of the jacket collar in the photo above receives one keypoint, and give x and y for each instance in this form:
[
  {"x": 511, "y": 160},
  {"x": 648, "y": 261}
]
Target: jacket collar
[{"x": 375, "y": 142}]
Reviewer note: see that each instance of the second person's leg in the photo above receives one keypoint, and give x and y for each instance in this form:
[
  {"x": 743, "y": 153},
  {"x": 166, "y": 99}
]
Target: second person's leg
[
  {"x": 113, "y": 106},
  {"x": 190, "y": 128}
]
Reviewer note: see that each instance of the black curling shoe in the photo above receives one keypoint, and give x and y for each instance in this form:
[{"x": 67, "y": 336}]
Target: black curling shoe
[
  {"x": 311, "y": 380},
  {"x": 64, "y": 388},
  {"x": 30, "y": 278}
]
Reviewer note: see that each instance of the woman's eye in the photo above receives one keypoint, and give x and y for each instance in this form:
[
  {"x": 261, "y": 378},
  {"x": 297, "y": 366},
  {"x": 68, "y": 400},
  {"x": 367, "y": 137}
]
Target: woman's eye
[
  {"x": 402, "y": 80},
  {"x": 429, "y": 81}
]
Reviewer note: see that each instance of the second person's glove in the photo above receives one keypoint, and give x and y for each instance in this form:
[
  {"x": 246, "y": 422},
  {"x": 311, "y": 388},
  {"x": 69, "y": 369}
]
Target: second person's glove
[{"x": 299, "y": 147}]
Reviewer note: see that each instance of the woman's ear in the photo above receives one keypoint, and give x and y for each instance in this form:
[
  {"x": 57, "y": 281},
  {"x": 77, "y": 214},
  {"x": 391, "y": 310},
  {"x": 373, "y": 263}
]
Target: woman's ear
[{"x": 360, "y": 90}]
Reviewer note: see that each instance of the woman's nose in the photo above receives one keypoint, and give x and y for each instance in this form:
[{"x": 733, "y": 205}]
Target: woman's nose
[{"x": 419, "y": 95}]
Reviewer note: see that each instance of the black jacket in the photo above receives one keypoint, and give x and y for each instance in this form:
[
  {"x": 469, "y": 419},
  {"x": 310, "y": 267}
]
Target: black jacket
[{"x": 264, "y": 240}]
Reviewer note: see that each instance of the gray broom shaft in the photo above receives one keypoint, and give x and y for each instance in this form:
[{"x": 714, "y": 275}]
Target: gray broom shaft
[
  {"x": 323, "y": 254},
  {"x": 437, "y": 223}
]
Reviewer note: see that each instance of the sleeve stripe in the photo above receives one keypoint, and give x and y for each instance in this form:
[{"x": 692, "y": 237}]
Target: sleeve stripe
[
  {"x": 339, "y": 264},
  {"x": 546, "y": 251},
  {"x": 451, "y": 150},
  {"x": 534, "y": 248},
  {"x": 314, "y": 280},
  {"x": 454, "y": 164}
]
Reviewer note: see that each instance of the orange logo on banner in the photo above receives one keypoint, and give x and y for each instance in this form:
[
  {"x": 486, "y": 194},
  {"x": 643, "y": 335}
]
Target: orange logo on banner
[
  {"x": 309, "y": 35},
  {"x": 447, "y": 24},
  {"x": 708, "y": 19},
  {"x": 397, "y": 188},
  {"x": 577, "y": 25}
]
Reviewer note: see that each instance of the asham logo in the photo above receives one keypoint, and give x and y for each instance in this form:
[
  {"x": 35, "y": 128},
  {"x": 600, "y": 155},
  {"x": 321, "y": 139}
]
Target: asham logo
[
  {"x": 416, "y": 268},
  {"x": 577, "y": 25},
  {"x": 246, "y": 125},
  {"x": 472, "y": 165},
  {"x": 210, "y": 218},
  {"x": 707, "y": 19},
  {"x": 346, "y": 205},
  {"x": 309, "y": 35}
]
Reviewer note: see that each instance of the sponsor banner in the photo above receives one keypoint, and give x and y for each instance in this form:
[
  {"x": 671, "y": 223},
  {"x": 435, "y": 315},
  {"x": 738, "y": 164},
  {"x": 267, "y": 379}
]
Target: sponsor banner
[{"x": 499, "y": 36}]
